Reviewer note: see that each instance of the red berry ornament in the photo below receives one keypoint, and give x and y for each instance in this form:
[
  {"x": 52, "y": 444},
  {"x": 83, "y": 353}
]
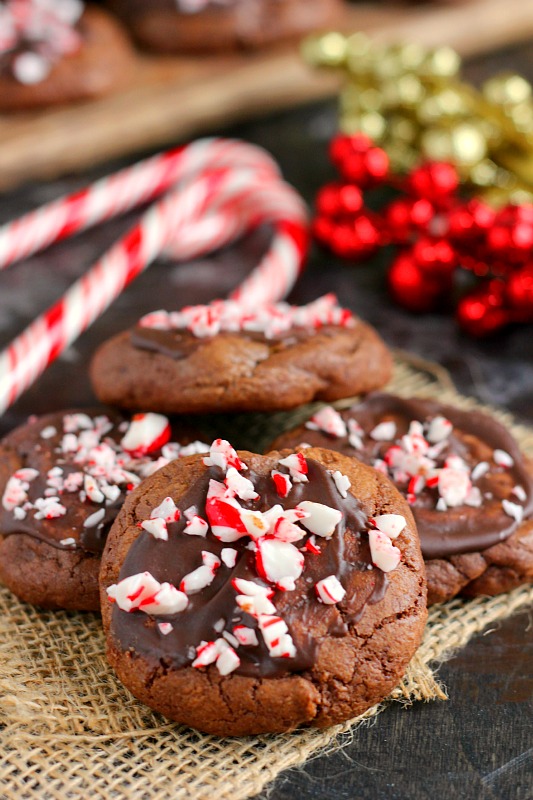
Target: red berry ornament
[{"x": 435, "y": 181}]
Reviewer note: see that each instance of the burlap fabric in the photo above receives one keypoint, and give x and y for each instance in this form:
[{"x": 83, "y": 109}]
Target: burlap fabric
[{"x": 68, "y": 729}]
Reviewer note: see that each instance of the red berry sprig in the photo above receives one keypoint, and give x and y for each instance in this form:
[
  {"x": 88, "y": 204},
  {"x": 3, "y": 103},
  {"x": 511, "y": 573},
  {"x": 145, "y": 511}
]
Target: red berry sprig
[{"x": 437, "y": 232}]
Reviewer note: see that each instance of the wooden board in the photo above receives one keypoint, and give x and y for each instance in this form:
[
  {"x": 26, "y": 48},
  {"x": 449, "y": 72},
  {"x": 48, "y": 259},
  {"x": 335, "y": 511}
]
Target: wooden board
[{"x": 171, "y": 99}]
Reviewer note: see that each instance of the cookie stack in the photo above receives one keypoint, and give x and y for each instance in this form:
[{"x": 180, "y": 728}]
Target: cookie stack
[{"x": 245, "y": 593}]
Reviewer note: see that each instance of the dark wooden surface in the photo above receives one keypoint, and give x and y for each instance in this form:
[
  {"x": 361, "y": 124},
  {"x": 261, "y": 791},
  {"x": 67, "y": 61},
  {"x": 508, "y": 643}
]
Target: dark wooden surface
[{"x": 477, "y": 745}]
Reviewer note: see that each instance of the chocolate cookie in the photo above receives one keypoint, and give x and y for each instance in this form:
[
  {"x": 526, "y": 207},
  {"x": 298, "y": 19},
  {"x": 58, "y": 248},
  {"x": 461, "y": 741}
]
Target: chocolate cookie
[
  {"x": 469, "y": 487},
  {"x": 203, "y": 26},
  {"x": 257, "y": 593},
  {"x": 63, "y": 479},
  {"x": 58, "y": 51},
  {"x": 217, "y": 358}
]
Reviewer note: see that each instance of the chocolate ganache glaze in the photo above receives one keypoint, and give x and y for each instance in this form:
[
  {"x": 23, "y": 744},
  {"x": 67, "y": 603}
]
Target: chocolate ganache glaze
[
  {"x": 444, "y": 531},
  {"x": 346, "y": 555},
  {"x": 55, "y": 457}
]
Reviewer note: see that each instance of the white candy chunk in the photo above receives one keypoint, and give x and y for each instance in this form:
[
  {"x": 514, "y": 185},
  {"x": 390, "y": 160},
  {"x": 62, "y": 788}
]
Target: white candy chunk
[
  {"x": 513, "y": 510},
  {"x": 239, "y": 485},
  {"x": 355, "y": 435},
  {"x": 230, "y": 638},
  {"x": 192, "y": 449},
  {"x": 48, "y": 432},
  {"x": 198, "y": 579},
  {"x": 228, "y": 556},
  {"x": 26, "y": 474},
  {"x": 93, "y": 490},
  {"x": 228, "y": 661},
  {"x": 168, "y": 600},
  {"x": 94, "y": 519},
  {"x": 329, "y": 421},
  {"x": 297, "y": 466},
  {"x": 255, "y": 605},
  {"x": 196, "y": 527},
  {"x": 520, "y": 493},
  {"x": 167, "y": 510},
  {"x": 72, "y": 423},
  {"x": 129, "y": 593},
  {"x": 479, "y": 470},
  {"x": 390, "y": 524},
  {"x": 251, "y": 588},
  {"x": 165, "y": 628},
  {"x": 342, "y": 482},
  {"x": 321, "y": 519},
  {"x": 70, "y": 542},
  {"x": 245, "y": 636},
  {"x": 216, "y": 489},
  {"x": 384, "y": 555},
  {"x": 29, "y": 68},
  {"x": 69, "y": 443},
  {"x": 49, "y": 508},
  {"x": 454, "y": 486},
  {"x": 255, "y": 523},
  {"x": 384, "y": 432},
  {"x": 473, "y": 498},
  {"x": 210, "y": 560},
  {"x": 286, "y": 584},
  {"x": 278, "y": 560},
  {"x": 157, "y": 527},
  {"x": 502, "y": 459},
  {"x": 441, "y": 505},
  {"x": 439, "y": 429},
  {"x": 146, "y": 432},
  {"x": 329, "y": 590},
  {"x": 277, "y": 639},
  {"x": 14, "y": 494},
  {"x": 219, "y": 625},
  {"x": 19, "y": 513}
]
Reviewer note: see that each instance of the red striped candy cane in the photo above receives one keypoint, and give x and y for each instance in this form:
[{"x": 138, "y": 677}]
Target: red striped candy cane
[{"x": 223, "y": 188}]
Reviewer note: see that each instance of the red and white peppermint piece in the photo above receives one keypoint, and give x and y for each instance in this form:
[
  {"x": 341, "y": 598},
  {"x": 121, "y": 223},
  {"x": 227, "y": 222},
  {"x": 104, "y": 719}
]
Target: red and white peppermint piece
[
  {"x": 277, "y": 560},
  {"x": 245, "y": 636},
  {"x": 329, "y": 421},
  {"x": 168, "y": 600},
  {"x": 49, "y": 508},
  {"x": 355, "y": 434},
  {"x": 165, "y": 628},
  {"x": 146, "y": 433},
  {"x": 282, "y": 482},
  {"x": 93, "y": 490},
  {"x": 239, "y": 485},
  {"x": 48, "y": 432},
  {"x": 224, "y": 517},
  {"x": 223, "y": 455},
  {"x": 129, "y": 593},
  {"x": 416, "y": 484},
  {"x": 384, "y": 555},
  {"x": 330, "y": 590},
  {"x": 390, "y": 524},
  {"x": 439, "y": 429},
  {"x": 228, "y": 556},
  {"x": 474, "y": 498},
  {"x": 513, "y": 510},
  {"x": 312, "y": 547},
  {"x": 196, "y": 526},
  {"x": 287, "y": 531},
  {"x": 384, "y": 431},
  {"x": 454, "y": 486},
  {"x": 321, "y": 519},
  {"x": 277, "y": 639},
  {"x": 166, "y": 510},
  {"x": 156, "y": 527},
  {"x": 342, "y": 482},
  {"x": 206, "y": 653},
  {"x": 502, "y": 458},
  {"x": 297, "y": 466}
]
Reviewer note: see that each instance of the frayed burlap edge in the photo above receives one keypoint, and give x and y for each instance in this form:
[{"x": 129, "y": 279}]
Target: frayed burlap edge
[{"x": 69, "y": 729}]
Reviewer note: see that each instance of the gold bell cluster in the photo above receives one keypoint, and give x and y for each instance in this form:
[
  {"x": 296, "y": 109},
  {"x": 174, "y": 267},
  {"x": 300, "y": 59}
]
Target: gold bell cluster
[{"x": 412, "y": 102}]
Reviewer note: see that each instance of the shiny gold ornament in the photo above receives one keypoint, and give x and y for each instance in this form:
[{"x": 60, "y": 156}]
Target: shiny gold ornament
[{"x": 412, "y": 101}]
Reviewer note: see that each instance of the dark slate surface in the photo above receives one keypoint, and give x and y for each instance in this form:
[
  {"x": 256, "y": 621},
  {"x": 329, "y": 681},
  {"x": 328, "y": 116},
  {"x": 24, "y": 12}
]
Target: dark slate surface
[{"x": 479, "y": 744}]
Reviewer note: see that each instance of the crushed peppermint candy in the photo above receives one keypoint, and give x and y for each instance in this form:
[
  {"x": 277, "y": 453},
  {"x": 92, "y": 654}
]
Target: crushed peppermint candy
[
  {"x": 270, "y": 320},
  {"x": 329, "y": 421},
  {"x": 37, "y": 34},
  {"x": 280, "y": 539},
  {"x": 104, "y": 469}
]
